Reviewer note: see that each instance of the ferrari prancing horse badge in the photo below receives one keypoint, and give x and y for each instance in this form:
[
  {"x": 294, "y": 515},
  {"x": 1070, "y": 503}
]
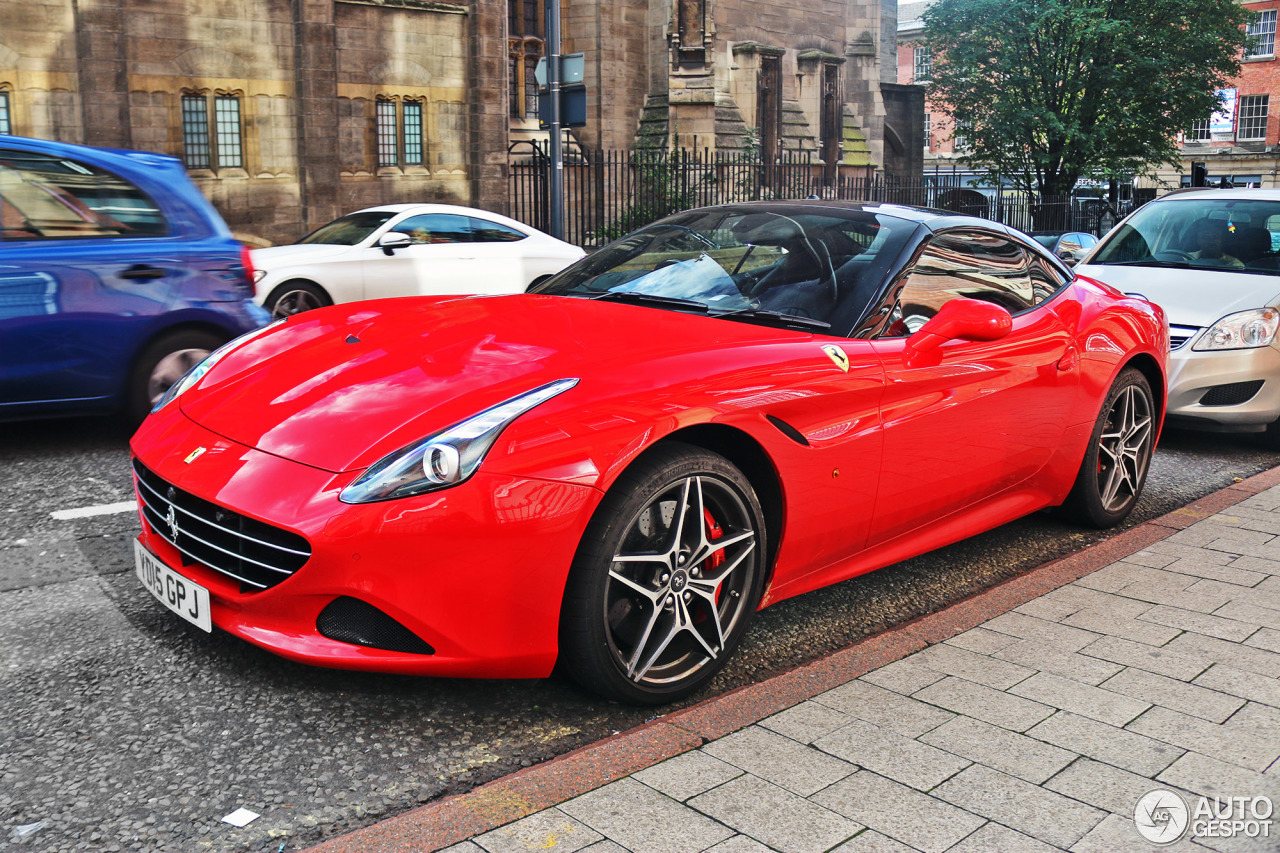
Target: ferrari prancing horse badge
[{"x": 837, "y": 355}]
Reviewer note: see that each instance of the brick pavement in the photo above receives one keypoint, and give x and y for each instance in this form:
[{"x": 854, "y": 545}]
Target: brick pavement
[{"x": 1032, "y": 717}]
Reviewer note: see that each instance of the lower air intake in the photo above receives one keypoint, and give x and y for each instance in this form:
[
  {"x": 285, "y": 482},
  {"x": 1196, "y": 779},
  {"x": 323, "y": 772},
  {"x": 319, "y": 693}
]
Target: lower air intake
[
  {"x": 1231, "y": 395},
  {"x": 350, "y": 620}
]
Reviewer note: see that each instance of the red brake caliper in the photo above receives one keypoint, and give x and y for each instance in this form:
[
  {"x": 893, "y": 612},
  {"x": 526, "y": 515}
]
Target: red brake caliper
[{"x": 713, "y": 532}]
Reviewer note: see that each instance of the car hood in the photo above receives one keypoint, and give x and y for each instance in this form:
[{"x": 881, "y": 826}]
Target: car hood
[
  {"x": 341, "y": 387},
  {"x": 1190, "y": 297},
  {"x": 296, "y": 253}
]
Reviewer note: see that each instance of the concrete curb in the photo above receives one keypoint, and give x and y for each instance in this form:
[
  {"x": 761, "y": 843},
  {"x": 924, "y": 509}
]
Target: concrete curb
[{"x": 455, "y": 819}]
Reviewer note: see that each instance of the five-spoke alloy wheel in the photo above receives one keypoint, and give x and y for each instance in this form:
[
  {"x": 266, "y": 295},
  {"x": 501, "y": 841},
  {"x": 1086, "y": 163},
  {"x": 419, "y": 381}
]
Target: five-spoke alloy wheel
[
  {"x": 294, "y": 297},
  {"x": 666, "y": 579},
  {"x": 1115, "y": 465}
]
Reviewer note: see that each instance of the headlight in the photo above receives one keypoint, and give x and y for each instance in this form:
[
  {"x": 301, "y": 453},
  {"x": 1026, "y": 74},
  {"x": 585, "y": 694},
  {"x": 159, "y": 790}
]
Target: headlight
[
  {"x": 259, "y": 275},
  {"x": 195, "y": 374},
  {"x": 448, "y": 457},
  {"x": 1242, "y": 330}
]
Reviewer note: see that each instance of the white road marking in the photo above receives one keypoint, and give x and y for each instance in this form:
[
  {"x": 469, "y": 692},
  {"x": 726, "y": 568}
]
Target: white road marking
[{"x": 89, "y": 511}]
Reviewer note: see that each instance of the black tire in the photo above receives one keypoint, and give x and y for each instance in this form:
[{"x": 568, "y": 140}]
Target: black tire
[
  {"x": 294, "y": 297},
  {"x": 1120, "y": 447},
  {"x": 162, "y": 363},
  {"x": 657, "y": 628}
]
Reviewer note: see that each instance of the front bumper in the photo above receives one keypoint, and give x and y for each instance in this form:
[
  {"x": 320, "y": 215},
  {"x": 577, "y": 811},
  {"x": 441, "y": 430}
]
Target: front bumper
[
  {"x": 476, "y": 571},
  {"x": 1193, "y": 375}
]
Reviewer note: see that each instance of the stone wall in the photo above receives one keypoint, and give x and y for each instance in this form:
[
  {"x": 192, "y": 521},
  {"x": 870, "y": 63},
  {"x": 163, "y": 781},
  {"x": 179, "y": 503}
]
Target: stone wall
[{"x": 307, "y": 74}]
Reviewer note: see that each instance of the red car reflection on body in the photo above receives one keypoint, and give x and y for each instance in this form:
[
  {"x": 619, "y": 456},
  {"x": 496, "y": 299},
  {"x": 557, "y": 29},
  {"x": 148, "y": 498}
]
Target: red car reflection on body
[{"x": 722, "y": 410}]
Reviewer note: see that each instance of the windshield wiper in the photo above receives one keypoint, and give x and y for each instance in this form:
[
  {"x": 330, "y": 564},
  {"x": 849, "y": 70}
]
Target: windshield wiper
[
  {"x": 775, "y": 318},
  {"x": 652, "y": 299},
  {"x": 1149, "y": 262}
]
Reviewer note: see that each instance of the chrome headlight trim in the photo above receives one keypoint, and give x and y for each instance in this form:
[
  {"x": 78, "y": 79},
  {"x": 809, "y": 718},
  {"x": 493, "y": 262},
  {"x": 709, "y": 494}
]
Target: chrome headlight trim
[
  {"x": 446, "y": 458},
  {"x": 1242, "y": 330}
]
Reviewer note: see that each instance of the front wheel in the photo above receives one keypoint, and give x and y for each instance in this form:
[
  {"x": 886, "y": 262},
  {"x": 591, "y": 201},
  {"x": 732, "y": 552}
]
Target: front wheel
[
  {"x": 666, "y": 578},
  {"x": 163, "y": 363},
  {"x": 1115, "y": 465}
]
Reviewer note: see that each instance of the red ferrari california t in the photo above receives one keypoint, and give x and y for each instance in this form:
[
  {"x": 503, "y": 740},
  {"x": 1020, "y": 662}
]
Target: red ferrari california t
[{"x": 724, "y": 409}]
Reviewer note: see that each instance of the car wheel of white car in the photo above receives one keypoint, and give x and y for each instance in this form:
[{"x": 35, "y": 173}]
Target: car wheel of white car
[
  {"x": 294, "y": 297},
  {"x": 666, "y": 579},
  {"x": 163, "y": 363}
]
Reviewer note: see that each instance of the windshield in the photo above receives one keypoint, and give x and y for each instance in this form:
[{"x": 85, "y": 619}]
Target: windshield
[
  {"x": 820, "y": 267},
  {"x": 350, "y": 229},
  {"x": 1233, "y": 235}
]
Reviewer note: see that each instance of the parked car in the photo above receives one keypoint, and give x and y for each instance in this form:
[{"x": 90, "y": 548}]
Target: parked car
[
  {"x": 717, "y": 412},
  {"x": 1068, "y": 246},
  {"x": 1209, "y": 259},
  {"x": 407, "y": 250},
  {"x": 116, "y": 276}
]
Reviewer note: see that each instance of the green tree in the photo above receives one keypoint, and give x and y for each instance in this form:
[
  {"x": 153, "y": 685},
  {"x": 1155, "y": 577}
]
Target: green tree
[{"x": 1048, "y": 91}]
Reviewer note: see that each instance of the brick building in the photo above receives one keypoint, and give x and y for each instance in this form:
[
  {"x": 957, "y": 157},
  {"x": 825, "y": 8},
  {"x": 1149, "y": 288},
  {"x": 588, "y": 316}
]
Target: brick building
[
  {"x": 291, "y": 112},
  {"x": 1241, "y": 144}
]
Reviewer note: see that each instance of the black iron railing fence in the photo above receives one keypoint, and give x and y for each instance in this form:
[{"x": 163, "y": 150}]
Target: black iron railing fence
[{"x": 608, "y": 193}]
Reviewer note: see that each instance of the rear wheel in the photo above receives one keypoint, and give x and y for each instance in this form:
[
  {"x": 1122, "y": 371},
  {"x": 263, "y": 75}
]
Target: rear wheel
[
  {"x": 294, "y": 297},
  {"x": 666, "y": 579},
  {"x": 1115, "y": 465},
  {"x": 163, "y": 363}
]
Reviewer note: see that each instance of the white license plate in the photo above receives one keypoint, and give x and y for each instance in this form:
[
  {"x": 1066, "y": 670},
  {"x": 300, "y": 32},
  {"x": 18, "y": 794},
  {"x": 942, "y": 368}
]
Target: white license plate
[{"x": 181, "y": 595}]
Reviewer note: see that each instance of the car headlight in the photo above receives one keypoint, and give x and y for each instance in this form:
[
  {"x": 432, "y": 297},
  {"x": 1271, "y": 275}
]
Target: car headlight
[
  {"x": 195, "y": 374},
  {"x": 448, "y": 457},
  {"x": 1242, "y": 330},
  {"x": 259, "y": 275}
]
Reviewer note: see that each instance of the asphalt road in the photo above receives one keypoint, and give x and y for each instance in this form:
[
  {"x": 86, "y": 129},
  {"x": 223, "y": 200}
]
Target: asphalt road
[{"x": 125, "y": 729}]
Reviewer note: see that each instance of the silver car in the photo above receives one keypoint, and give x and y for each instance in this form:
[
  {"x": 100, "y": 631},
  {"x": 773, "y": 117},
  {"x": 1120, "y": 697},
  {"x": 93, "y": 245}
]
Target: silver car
[{"x": 1209, "y": 258}]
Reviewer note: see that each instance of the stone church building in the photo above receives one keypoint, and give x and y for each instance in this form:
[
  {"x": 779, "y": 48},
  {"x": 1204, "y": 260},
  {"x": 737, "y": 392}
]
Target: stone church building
[{"x": 289, "y": 113}]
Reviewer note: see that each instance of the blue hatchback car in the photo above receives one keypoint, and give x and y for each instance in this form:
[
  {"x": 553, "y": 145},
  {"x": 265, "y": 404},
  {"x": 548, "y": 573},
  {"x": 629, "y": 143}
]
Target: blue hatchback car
[{"x": 116, "y": 277}]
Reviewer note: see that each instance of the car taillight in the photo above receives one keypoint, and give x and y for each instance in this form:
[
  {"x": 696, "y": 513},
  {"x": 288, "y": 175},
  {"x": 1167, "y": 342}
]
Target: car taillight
[{"x": 246, "y": 261}]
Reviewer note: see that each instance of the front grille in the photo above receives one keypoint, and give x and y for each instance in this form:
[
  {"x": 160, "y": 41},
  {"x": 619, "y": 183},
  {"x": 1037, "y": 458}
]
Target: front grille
[
  {"x": 1231, "y": 395},
  {"x": 1179, "y": 335},
  {"x": 256, "y": 554}
]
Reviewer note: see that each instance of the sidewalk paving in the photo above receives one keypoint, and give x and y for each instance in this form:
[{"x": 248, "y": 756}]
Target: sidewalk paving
[{"x": 1030, "y": 717}]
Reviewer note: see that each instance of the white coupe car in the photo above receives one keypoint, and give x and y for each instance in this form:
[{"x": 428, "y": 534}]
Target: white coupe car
[{"x": 407, "y": 250}]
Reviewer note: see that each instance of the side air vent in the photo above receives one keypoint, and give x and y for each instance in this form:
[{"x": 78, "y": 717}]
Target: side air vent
[
  {"x": 350, "y": 620},
  {"x": 788, "y": 430}
]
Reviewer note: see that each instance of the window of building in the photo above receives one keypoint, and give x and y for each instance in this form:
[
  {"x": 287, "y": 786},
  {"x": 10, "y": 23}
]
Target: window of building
[
  {"x": 831, "y": 120},
  {"x": 1252, "y": 117},
  {"x": 1263, "y": 31},
  {"x": 221, "y": 149},
  {"x": 1198, "y": 132},
  {"x": 928, "y": 131},
  {"x": 769, "y": 106},
  {"x": 385, "y": 120},
  {"x": 923, "y": 65},
  {"x": 960, "y": 141},
  {"x": 524, "y": 47},
  {"x": 399, "y": 136},
  {"x": 6, "y": 125},
  {"x": 413, "y": 133}
]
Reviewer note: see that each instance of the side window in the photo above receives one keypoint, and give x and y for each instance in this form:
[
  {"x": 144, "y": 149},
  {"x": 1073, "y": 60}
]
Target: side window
[
  {"x": 484, "y": 231},
  {"x": 437, "y": 228},
  {"x": 46, "y": 197},
  {"x": 968, "y": 264}
]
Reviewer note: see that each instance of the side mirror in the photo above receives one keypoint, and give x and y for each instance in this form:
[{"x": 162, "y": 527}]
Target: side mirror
[
  {"x": 958, "y": 320},
  {"x": 393, "y": 240}
]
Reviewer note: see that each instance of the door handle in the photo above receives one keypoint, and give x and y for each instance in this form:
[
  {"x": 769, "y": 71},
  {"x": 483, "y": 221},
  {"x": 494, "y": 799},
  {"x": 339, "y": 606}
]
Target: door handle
[{"x": 142, "y": 272}]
